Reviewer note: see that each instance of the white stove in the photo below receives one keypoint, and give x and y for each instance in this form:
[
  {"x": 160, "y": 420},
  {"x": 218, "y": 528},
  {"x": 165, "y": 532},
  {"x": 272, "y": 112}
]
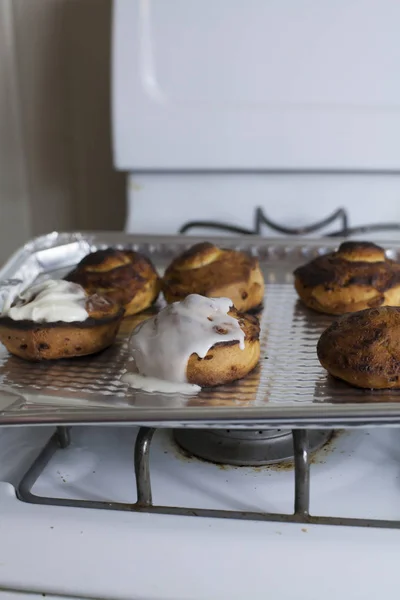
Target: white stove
[
  {"x": 88, "y": 553},
  {"x": 220, "y": 108}
]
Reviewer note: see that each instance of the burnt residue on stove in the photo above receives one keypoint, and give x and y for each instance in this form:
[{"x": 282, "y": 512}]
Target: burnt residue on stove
[
  {"x": 182, "y": 454},
  {"x": 317, "y": 457}
]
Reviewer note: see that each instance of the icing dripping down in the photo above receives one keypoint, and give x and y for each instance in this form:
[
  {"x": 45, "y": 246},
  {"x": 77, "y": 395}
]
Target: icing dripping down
[{"x": 162, "y": 345}]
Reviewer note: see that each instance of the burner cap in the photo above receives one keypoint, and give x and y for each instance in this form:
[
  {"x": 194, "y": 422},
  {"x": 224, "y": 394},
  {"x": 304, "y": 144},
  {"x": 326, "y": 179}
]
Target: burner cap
[{"x": 245, "y": 447}]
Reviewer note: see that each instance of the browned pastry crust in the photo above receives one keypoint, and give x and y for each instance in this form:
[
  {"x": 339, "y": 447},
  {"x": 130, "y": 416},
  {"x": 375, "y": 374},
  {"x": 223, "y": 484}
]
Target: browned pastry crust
[
  {"x": 214, "y": 272},
  {"x": 356, "y": 277},
  {"x": 124, "y": 276},
  {"x": 46, "y": 341},
  {"x": 364, "y": 348},
  {"x": 225, "y": 361}
]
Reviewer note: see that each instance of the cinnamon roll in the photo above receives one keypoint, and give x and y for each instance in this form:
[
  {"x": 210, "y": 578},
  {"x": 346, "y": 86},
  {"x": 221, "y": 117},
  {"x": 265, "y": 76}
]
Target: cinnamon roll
[
  {"x": 123, "y": 276},
  {"x": 214, "y": 272},
  {"x": 363, "y": 348},
  {"x": 199, "y": 341},
  {"x": 356, "y": 277},
  {"x": 57, "y": 319}
]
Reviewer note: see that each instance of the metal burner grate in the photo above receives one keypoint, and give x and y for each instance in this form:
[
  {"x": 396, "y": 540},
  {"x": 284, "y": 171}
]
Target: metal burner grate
[
  {"x": 261, "y": 220},
  {"x": 301, "y": 514}
]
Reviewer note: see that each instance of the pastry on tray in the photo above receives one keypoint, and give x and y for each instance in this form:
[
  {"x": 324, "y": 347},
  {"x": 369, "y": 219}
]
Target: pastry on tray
[
  {"x": 363, "y": 348},
  {"x": 124, "y": 276},
  {"x": 57, "y": 319},
  {"x": 197, "y": 342},
  {"x": 214, "y": 272},
  {"x": 356, "y": 277}
]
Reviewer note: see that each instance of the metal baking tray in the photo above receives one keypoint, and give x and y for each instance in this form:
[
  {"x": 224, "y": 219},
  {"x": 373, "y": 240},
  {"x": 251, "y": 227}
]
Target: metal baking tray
[{"x": 289, "y": 388}]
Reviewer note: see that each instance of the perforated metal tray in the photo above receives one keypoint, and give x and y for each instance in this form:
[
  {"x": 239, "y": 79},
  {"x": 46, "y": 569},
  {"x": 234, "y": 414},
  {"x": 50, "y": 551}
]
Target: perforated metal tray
[{"x": 288, "y": 389}]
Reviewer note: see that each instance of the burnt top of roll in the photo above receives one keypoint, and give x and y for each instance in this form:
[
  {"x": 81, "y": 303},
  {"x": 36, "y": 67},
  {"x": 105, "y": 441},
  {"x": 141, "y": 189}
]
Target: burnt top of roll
[
  {"x": 109, "y": 259},
  {"x": 200, "y": 249},
  {"x": 96, "y": 258},
  {"x": 116, "y": 274},
  {"x": 361, "y": 252},
  {"x": 354, "y": 263},
  {"x": 359, "y": 246},
  {"x": 205, "y": 267},
  {"x": 366, "y": 341}
]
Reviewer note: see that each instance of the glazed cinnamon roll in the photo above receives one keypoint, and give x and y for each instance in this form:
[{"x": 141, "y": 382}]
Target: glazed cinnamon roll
[
  {"x": 57, "y": 319},
  {"x": 199, "y": 341}
]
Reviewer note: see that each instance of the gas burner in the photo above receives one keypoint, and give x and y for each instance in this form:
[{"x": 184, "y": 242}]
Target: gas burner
[
  {"x": 245, "y": 447},
  {"x": 261, "y": 219}
]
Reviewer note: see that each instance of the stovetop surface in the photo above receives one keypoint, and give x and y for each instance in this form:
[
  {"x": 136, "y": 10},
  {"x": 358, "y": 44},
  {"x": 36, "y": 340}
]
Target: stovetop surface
[
  {"x": 99, "y": 466},
  {"x": 108, "y": 554}
]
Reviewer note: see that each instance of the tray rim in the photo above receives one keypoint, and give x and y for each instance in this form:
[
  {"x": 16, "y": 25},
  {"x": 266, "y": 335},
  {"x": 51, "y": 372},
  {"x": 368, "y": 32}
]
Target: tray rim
[
  {"x": 118, "y": 237},
  {"x": 296, "y": 417},
  {"x": 286, "y": 416}
]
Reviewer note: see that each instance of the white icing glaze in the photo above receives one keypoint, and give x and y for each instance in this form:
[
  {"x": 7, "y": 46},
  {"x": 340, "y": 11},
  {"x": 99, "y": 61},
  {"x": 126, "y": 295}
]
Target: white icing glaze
[
  {"x": 153, "y": 384},
  {"x": 162, "y": 345},
  {"x": 48, "y": 302}
]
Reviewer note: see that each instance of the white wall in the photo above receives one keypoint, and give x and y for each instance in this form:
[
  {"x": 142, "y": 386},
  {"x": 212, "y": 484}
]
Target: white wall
[{"x": 55, "y": 151}]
